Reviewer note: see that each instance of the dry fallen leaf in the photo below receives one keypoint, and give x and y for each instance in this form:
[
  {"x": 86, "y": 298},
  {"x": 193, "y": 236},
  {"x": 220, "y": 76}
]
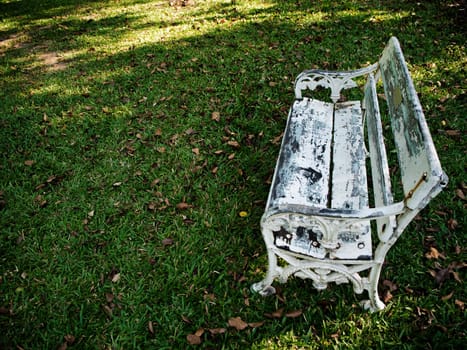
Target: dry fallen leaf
[
  {"x": 387, "y": 296},
  {"x": 447, "y": 297},
  {"x": 70, "y": 339},
  {"x": 390, "y": 285},
  {"x": 256, "y": 324},
  {"x": 215, "y": 331},
  {"x": 460, "y": 304},
  {"x": 294, "y": 314},
  {"x": 452, "y": 224},
  {"x": 116, "y": 278},
  {"x": 167, "y": 242},
  {"x": 433, "y": 253},
  {"x": 460, "y": 194},
  {"x": 150, "y": 327},
  {"x": 276, "y": 314},
  {"x": 216, "y": 116},
  {"x": 233, "y": 143},
  {"x": 238, "y": 323},
  {"x": 193, "y": 339},
  {"x": 183, "y": 206},
  {"x": 440, "y": 275},
  {"x": 276, "y": 140},
  {"x": 29, "y": 162}
]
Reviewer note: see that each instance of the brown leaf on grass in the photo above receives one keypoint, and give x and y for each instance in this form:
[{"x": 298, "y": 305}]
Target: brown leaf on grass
[
  {"x": 215, "y": 331},
  {"x": 186, "y": 319},
  {"x": 108, "y": 310},
  {"x": 441, "y": 275},
  {"x": 195, "y": 150},
  {"x": 433, "y": 253},
  {"x": 63, "y": 346},
  {"x": 151, "y": 327},
  {"x": 167, "y": 242},
  {"x": 109, "y": 297},
  {"x": 116, "y": 278},
  {"x": 233, "y": 143},
  {"x": 29, "y": 162},
  {"x": 447, "y": 297},
  {"x": 183, "y": 206},
  {"x": 452, "y": 224},
  {"x": 199, "y": 332},
  {"x": 460, "y": 304},
  {"x": 193, "y": 339},
  {"x": 276, "y": 314},
  {"x": 277, "y": 140},
  {"x": 155, "y": 182},
  {"x": 256, "y": 324},
  {"x": 387, "y": 296},
  {"x": 294, "y": 314},
  {"x": 390, "y": 285},
  {"x": 453, "y": 133},
  {"x": 460, "y": 194},
  {"x": 70, "y": 339},
  {"x": 455, "y": 274},
  {"x": 237, "y": 323},
  {"x": 216, "y": 116}
]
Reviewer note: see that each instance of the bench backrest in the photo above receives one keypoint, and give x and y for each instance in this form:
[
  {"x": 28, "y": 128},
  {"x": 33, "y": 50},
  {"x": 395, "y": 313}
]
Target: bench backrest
[{"x": 421, "y": 173}]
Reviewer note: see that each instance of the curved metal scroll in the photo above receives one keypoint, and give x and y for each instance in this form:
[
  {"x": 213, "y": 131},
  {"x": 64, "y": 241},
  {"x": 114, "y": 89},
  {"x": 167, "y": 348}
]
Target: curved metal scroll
[{"x": 336, "y": 81}]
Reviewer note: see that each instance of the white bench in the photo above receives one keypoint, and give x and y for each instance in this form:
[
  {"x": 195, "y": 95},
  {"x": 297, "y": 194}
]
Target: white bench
[{"x": 322, "y": 220}]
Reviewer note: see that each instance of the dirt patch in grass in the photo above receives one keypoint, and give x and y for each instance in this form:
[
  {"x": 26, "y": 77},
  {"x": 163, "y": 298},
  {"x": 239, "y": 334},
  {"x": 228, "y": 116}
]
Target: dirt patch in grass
[{"x": 51, "y": 60}]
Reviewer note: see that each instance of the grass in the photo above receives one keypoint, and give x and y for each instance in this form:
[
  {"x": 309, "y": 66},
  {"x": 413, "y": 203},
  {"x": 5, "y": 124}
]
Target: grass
[{"x": 132, "y": 135}]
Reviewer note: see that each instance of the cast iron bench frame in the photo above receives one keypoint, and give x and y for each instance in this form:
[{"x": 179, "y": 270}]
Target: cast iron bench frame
[{"x": 318, "y": 222}]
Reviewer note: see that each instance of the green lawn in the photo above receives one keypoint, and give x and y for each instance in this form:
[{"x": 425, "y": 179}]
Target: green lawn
[{"x": 137, "y": 144}]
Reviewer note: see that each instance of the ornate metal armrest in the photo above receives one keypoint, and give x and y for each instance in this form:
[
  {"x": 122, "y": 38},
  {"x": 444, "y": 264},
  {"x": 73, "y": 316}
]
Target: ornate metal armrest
[
  {"x": 336, "y": 81},
  {"x": 357, "y": 215}
]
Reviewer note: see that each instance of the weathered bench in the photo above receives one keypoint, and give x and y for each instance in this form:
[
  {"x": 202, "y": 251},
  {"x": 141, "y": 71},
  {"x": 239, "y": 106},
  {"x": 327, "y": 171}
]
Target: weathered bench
[{"x": 322, "y": 219}]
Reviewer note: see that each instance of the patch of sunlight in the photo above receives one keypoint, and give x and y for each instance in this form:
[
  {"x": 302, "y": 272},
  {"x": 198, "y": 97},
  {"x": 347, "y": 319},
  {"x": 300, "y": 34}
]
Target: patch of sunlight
[
  {"x": 157, "y": 22},
  {"x": 378, "y": 16}
]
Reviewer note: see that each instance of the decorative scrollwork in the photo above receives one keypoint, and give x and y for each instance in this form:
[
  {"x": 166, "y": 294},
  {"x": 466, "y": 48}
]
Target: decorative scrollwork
[{"x": 336, "y": 81}]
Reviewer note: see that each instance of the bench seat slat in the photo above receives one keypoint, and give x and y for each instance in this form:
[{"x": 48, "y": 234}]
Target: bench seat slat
[
  {"x": 349, "y": 185},
  {"x": 349, "y": 182},
  {"x": 302, "y": 171}
]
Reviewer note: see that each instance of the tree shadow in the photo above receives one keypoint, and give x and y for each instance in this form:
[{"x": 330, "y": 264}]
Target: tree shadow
[{"x": 243, "y": 71}]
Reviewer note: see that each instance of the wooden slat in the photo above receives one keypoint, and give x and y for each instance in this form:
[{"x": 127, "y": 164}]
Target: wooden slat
[
  {"x": 420, "y": 168},
  {"x": 302, "y": 170},
  {"x": 349, "y": 182}
]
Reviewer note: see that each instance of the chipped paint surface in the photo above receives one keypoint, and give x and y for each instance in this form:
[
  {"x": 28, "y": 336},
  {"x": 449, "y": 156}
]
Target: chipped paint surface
[
  {"x": 322, "y": 165},
  {"x": 302, "y": 172},
  {"x": 317, "y": 217},
  {"x": 416, "y": 151}
]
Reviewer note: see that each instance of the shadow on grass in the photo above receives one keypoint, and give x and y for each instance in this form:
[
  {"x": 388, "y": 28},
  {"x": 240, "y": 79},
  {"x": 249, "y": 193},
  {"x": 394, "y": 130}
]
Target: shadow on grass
[{"x": 118, "y": 138}]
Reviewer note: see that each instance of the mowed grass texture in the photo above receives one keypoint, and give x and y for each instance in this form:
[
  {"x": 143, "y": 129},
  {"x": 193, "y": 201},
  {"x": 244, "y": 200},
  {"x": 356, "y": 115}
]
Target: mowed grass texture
[{"x": 138, "y": 141}]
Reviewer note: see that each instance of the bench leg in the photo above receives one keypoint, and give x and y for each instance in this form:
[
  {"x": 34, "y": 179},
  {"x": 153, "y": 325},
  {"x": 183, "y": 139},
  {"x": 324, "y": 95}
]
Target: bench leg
[
  {"x": 375, "y": 303},
  {"x": 265, "y": 288}
]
